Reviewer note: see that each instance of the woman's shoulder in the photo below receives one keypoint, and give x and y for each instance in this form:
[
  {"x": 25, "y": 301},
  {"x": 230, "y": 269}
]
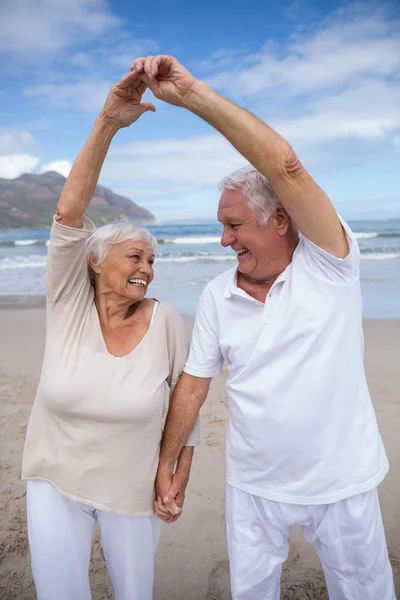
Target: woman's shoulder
[
  {"x": 166, "y": 309},
  {"x": 170, "y": 317}
]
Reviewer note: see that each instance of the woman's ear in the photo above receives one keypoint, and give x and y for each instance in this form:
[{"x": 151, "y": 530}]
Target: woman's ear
[
  {"x": 95, "y": 269},
  {"x": 282, "y": 220}
]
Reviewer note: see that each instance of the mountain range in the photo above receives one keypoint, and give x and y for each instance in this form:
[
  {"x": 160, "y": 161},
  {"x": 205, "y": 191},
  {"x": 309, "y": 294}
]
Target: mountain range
[{"x": 30, "y": 201}]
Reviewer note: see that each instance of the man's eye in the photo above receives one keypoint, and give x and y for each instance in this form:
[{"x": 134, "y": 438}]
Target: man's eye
[
  {"x": 135, "y": 256},
  {"x": 235, "y": 225}
]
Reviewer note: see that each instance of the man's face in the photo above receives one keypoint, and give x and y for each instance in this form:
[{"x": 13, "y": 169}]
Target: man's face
[{"x": 256, "y": 246}]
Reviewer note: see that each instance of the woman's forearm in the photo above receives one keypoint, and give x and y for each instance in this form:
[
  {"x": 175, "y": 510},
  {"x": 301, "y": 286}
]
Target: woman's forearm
[{"x": 82, "y": 180}]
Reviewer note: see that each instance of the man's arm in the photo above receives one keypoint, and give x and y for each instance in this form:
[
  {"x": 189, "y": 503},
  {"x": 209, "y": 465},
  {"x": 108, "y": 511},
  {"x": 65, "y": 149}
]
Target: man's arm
[
  {"x": 305, "y": 202},
  {"x": 188, "y": 397}
]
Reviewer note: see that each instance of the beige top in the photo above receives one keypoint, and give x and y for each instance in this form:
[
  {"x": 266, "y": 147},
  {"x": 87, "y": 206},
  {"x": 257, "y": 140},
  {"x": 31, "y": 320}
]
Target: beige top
[{"x": 96, "y": 423}]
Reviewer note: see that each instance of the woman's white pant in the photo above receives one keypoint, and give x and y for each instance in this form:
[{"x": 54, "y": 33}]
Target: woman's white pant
[
  {"x": 347, "y": 535},
  {"x": 60, "y": 534}
]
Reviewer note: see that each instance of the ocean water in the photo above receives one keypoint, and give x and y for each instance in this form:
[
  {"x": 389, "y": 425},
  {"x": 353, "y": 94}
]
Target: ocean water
[{"x": 190, "y": 255}]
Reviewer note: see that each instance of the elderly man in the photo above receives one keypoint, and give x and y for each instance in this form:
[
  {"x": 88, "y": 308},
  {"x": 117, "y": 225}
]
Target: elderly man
[{"x": 303, "y": 446}]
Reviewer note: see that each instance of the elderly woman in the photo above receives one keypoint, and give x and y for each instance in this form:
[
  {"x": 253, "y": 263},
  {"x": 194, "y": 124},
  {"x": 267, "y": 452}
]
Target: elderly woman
[{"x": 92, "y": 444}]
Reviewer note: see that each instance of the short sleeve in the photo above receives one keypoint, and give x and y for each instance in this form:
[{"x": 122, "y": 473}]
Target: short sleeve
[
  {"x": 341, "y": 271},
  {"x": 205, "y": 357},
  {"x": 178, "y": 348},
  {"x": 67, "y": 269}
]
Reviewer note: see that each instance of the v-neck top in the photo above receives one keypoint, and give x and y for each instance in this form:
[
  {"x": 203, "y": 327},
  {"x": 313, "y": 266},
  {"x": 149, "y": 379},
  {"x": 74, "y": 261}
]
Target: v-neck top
[
  {"x": 302, "y": 427},
  {"x": 97, "y": 420}
]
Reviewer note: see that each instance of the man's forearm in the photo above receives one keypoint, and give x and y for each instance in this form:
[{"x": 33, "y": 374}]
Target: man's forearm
[
  {"x": 82, "y": 180},
  {"x": 185, "y": 459},
  {"x": 259, "y": 144},
  {"x": 184, "y": 408}
]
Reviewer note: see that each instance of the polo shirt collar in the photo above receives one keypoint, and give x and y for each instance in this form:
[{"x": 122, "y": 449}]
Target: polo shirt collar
[{"x": 231, "y": 287}]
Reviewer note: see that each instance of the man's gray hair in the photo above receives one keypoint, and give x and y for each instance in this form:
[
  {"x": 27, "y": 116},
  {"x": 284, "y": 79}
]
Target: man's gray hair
[
  {"x": 257, "y": 190},
  {"x": 100, "y": 241}
]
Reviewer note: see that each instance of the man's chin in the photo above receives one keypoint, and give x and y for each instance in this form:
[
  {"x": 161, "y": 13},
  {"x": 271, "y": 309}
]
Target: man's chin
[{"x": 245, "y": 268}]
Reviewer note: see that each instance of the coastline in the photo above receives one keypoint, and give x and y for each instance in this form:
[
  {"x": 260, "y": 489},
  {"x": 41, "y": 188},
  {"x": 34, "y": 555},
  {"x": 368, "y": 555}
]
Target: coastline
[
  {"x": 33, "y": 301},
  {"x": 196, "y": 543}
]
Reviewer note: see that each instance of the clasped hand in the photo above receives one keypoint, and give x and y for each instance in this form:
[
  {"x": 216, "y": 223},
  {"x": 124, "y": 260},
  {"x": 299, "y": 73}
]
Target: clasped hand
[{"x": 163, "y": 75}]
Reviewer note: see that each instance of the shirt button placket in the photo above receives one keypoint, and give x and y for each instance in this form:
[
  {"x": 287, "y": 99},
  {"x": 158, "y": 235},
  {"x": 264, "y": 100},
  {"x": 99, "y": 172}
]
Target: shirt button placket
[{"x": 268, "y": 306}]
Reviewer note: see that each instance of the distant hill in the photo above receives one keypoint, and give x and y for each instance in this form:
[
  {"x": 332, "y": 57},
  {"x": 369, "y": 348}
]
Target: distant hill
[{"x": 31, "y": 200}]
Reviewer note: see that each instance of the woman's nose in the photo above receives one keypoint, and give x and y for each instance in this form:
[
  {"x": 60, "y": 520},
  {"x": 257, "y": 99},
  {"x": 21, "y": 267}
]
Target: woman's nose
[{"x": 145, "y": 267}]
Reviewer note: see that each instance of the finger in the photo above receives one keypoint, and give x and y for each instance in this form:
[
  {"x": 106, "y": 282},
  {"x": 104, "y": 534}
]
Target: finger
[
  {"x": 138, "y": 65},
  {"x": 162, "y": 518},
  {"x": 141, "y": 87},
  {"x": 160, "y": 503},
  {"x": 162, "y": 509},
  {"x": 163, "y": 62},
  {"x": 145, "y": 106},
  {"x": 155, "y": 63},
  {"x": 127, "y": 80},
  {"x": 143, "y": 78},
  {"x": 161, "y": 512},
  {"x": 148, "y": 66},
  {"x": 173, "y": 508},
  {"x": 174, "y": 518}
]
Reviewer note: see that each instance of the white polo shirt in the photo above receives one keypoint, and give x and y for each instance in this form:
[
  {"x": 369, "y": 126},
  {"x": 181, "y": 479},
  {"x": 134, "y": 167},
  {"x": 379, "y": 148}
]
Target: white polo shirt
[{"x": 302, "y": 427}]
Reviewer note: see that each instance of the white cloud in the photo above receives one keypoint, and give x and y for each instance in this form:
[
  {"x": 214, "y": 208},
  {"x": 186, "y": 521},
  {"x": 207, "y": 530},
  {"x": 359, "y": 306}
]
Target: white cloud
[
  {"x": 59, "y": 166},
  {"x": 336, "y": 79},
  {"x": 15, "y": 164},
  {"x": 367, "y": 110},
  {"x": 396, "y": 143},
  {"x": 348, "y": 45},
  {"x": 16, "y": 142},
  {"x": 51, "y": 25},
  {"x": 81, "y": 95},
  {"x": 196, "y": 160}
]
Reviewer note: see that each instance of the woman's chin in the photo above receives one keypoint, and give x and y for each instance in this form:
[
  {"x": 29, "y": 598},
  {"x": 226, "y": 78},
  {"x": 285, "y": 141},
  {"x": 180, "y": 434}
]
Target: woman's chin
[{"x": 136, "y": 294}]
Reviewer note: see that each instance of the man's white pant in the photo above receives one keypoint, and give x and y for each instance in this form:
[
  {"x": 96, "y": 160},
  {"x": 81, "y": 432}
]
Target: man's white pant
[
  {"x": 347, "y": 535},
  {"x": 60, "y": 534}
]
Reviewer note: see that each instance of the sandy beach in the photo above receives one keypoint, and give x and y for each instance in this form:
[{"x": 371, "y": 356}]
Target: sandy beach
[{"x": 191, "y": 560}]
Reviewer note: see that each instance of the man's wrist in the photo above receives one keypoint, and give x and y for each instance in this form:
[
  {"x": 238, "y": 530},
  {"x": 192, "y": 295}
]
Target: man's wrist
[
  {"x": 197, "y": 97},
  {"x": 165, "y": 468}
]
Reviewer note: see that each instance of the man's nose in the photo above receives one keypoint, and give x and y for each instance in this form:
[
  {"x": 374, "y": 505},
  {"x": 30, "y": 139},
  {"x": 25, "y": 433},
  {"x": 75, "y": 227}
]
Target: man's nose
[{"x": 227, "y": 238}]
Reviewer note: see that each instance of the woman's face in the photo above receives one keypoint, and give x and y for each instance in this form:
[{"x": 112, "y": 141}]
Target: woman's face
[{"x": 127, "y": 271}]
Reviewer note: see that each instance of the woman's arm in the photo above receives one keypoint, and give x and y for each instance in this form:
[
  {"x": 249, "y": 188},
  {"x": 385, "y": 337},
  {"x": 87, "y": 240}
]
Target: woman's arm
[{"x": 122, "y": 107}]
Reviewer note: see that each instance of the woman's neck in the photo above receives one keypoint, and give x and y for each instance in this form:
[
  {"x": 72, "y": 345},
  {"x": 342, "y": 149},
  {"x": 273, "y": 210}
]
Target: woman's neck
[{"x": 114, "y": 311}]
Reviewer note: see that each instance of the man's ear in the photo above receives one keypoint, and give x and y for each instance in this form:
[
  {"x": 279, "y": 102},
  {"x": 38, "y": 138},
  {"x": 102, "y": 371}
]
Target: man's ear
[{"x": 282, "y": 220}]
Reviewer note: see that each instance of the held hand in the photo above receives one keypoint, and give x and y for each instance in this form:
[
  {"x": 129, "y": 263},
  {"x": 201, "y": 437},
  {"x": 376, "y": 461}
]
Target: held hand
[
  {"x": 166, "y": 77},
  {"x": 170, "y": 492},
  {"x": 124, "y": 102}
]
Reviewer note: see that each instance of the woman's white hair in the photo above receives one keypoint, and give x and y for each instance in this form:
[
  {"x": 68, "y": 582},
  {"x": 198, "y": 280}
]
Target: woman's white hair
[
  {"x": 100, "y": 241},
  {"x": 257, "y": 190}
]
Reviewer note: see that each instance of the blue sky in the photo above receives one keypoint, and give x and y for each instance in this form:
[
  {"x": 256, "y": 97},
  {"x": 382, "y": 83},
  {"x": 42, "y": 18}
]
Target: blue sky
[{"x": 325, "y": 74}]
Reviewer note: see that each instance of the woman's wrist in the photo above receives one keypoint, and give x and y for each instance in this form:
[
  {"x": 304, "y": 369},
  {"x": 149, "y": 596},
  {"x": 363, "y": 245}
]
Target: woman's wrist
[{"x": 106, "y": 125}]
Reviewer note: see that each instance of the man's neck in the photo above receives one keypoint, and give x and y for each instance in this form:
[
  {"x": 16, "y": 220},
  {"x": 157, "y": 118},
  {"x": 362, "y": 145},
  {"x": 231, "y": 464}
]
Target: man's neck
[{"x": 257, "y": 288}]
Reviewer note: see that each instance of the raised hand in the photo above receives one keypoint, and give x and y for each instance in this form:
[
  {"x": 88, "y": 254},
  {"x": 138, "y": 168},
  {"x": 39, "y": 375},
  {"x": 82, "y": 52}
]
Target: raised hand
[
  {"x": 166, "y": 77},
  {"x": 124, "y": 105}
]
